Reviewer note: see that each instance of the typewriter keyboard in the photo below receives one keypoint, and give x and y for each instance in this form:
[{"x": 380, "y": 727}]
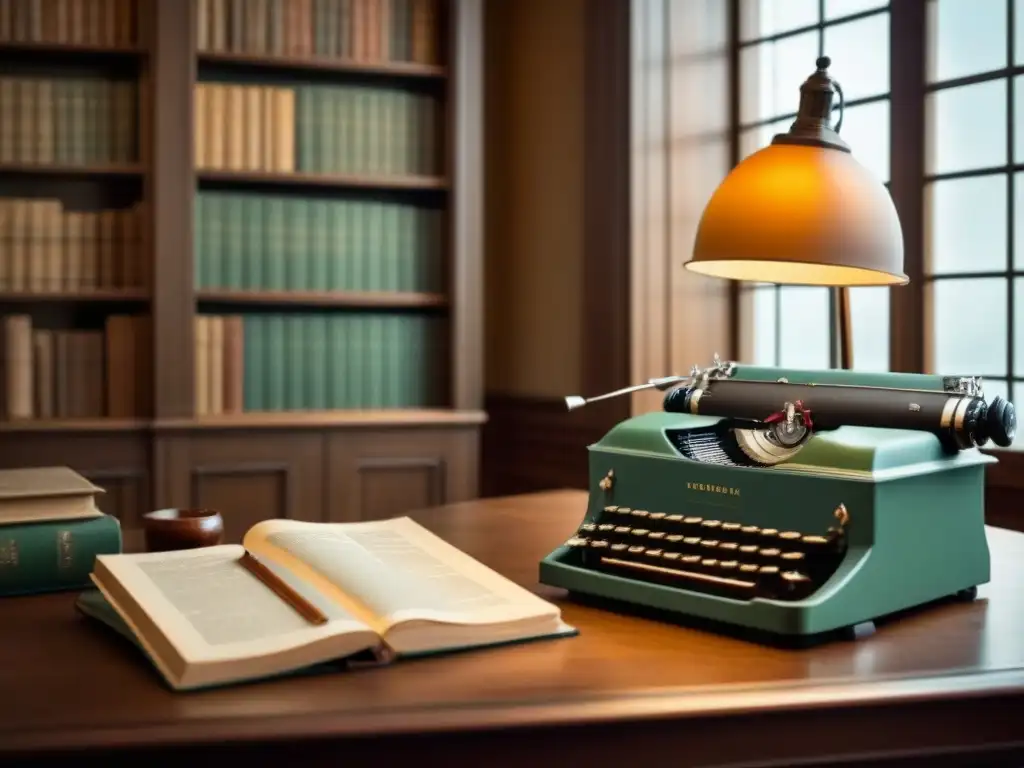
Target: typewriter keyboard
[{"x": 715, "y": 556}]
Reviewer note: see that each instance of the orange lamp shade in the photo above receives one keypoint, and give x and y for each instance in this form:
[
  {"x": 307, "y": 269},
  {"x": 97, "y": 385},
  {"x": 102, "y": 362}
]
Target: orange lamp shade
[{"x": 802, "y": 211}]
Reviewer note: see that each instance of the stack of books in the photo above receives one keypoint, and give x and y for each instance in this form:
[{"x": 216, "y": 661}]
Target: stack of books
[{"x": 51, "y": 530}]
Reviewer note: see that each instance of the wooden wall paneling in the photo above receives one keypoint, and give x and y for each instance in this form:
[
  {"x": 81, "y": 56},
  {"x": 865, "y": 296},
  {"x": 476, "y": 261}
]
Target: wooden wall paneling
[
  {"x": 606, "y": 208},
  {"x": 170, "y": 188},
  {"x": 247, "y": 476},
  {"x": 378, "y": 474},
  {"x": 465, "y": 153}
]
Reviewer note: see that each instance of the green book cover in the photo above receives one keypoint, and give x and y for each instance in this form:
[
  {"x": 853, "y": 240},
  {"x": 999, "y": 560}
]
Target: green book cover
[
  {"x": 295, "y": 353},
  {"x": 234, "y": 242},
  {"x": 274, "y": 362},
  {"x": 54, "y": 555},
  {"x": 254, "y": 362},
  {"x": 298, "y": 245},
  {"x": 356, "y": 246},
  {"x": 319, "y": 224},
  {"x": 277, "y": 237},
  {"x": 254, "y": 228},
  {"x": 199, "y": 255},
  {"x": 316, "y": 362},
  {"x": 338, "y": 389}
]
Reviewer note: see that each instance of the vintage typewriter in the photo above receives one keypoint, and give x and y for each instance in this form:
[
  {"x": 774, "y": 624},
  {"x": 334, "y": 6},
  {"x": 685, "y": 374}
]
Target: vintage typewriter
[{"x": 794, "y": 504}]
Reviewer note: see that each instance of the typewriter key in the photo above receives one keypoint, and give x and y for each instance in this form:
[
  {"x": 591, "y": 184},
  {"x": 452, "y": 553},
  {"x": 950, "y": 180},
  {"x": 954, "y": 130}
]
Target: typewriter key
[
  {"x": 769, "y": 533},
  {"x": 618, "y": 547},
  {"x": 711, "y": 524},
  {"x": 692, "y": 520},
  {"x": 690, "y": 559},
  {"x": 729, "y": 546},
  {"x": 748, "y": 568},
  {"x": 606, "y": 527},
  {"x": 709, "y": 543},
  {"x": 639, "y": 513},
  {"x": 656, "y": 535},
  {"x": 611, "y": 509},
  {"x": 731, "y": 527},
  {"x": 691, "y": 541},
  {"x": 635, "y": 550},
  {"x": 768, "y": 570},
  {"x": 624, "y": 510},
  {"x": 729, "y": 565},
  {"x": 622, "y": 529},
  {"x": 576, "y": 541},
  {"x": 673, "y": 518},
  {"x": 771, "y": 553},
  {"x": 789, "y": 536},
  {"x": 670, "y": 555},
  {"x": 588, "y": 527},
  {"x": 793, "y": 557},
  {"x": 640, "y": 531},
  {"x": 749, "y": 549},
  {"x": 674, "y": 538},
  {"x": 602, "y": 544},
  {"x": 654, "y": 552},
  {"x": 656, "y": 516},
  {"x": 749, "y": 530}
]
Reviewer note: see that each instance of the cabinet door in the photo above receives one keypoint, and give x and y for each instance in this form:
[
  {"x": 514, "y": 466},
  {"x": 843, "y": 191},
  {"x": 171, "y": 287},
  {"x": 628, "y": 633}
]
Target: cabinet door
[
  {"x": 377, "y": 474},
  {"x": 118, "y": 462},
  {"x": 247, "y": 476}
]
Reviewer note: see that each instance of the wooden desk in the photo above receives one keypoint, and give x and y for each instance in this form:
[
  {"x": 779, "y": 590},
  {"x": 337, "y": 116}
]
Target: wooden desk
[{"x": 626, "y": 689}]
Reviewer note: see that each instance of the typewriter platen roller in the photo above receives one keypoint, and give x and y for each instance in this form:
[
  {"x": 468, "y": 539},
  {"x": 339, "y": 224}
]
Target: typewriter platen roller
[{"x": 796, "y": 503}]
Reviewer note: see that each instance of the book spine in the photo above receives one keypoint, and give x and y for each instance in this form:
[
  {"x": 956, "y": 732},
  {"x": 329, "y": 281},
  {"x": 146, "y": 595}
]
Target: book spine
[{"x": 54, "y": 555}]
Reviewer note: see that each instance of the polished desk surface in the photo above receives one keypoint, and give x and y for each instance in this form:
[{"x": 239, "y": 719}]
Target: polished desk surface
[{"x": 69, "y": 683}]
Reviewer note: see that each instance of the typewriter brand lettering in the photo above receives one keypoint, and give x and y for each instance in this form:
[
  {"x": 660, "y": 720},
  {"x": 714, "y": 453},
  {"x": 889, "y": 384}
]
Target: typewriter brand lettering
[
  {"x": 65, "y": 551},
  {"x": 709, "y": 488}
]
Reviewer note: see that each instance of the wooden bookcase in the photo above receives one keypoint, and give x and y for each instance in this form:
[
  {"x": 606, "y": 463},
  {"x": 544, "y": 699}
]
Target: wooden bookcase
[{"x": 344, "y": 381}]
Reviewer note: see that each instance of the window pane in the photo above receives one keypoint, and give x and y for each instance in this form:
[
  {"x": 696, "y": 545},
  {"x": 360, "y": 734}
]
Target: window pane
[
  {"x": 760, "y": 18},
  {"x": 753, "y": 139},
  {"x": 1018, "y": 217},
  {"x": 965, "y": 37},
  {"x": 860, "y": 56},
  {"x": 866, "y": 129},
  {"x": 757, "y": 318},
  {"x": 1018, "y": 39},
  {"x": 836, "y": 8},
  {"x": 869, "y": 313},
  {"x": 965, "y": 225},
  {"x": 968, "y": 342},
  {"x": 1018, "y": 326},
  {"x": 1018, "y": 118},
  {"x": 804, "y": 327},
  {"x": 771, "y": 75},
  {"x": 966, "y": 128}
]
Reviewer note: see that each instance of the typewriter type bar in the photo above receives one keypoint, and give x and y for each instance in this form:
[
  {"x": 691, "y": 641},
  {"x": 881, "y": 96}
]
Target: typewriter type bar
[{"x": 705, "y": 555}]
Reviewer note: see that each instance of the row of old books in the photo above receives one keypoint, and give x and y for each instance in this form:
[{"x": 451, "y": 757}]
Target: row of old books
[
  {"x": 68, "y": 120},
  {"x": 45, "y": 248},
  {"x": 316, "y": 129},
  {"x": 109, "y": 23},
  {"x": 261, "y": 242},
  {"x": 69, "y": 374},
  {"x": 313, "y": 362},
  {"x": 356, "y": 30}
]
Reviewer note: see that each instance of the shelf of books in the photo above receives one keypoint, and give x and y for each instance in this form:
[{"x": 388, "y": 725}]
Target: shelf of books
[
  {"x": 74, "y": 269},
  {"x": 320, "y": 244}
]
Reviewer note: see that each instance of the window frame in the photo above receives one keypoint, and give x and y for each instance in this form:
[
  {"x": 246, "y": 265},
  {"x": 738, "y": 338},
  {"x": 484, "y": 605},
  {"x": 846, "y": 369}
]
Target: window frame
[{"x": 908, "y": 92}]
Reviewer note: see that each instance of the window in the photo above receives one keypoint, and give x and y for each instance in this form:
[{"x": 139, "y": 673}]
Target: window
[
  {"x": 974, "y": 191},
  {"x": 780, "y": 40}
]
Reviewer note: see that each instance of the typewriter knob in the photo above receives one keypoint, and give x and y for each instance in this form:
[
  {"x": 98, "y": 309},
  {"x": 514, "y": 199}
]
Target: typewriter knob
[{"x": 1001, "y": 422}]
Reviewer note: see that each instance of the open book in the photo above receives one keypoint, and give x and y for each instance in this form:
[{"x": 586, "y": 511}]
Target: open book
[{"x": 391, "y": 587}]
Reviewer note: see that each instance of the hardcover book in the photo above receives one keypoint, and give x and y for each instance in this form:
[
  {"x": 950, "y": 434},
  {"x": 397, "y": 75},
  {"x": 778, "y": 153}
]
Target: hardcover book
[{"x": 390, "y": 589}]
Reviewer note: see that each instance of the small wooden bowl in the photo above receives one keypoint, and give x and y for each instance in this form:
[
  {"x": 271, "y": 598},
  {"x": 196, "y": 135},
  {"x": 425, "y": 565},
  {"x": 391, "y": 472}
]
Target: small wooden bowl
[{"x": 171, "y": 529}]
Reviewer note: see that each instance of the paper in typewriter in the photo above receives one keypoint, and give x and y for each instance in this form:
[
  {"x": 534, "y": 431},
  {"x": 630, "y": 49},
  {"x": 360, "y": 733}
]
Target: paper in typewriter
[{"x": 419, "y": 592}]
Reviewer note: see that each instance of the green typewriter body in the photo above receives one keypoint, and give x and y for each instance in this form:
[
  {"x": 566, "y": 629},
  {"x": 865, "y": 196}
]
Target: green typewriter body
[{"x": 861, "y": 523}]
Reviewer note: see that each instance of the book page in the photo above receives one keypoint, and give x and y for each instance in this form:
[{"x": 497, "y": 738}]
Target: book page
[
  {"x": 211, "y": 607},
  {"x": 396, "y": 571}
]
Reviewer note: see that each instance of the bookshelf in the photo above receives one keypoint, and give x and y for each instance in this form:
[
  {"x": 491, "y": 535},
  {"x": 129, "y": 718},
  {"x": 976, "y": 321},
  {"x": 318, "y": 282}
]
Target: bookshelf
[{"x": 265, "y": 241}]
